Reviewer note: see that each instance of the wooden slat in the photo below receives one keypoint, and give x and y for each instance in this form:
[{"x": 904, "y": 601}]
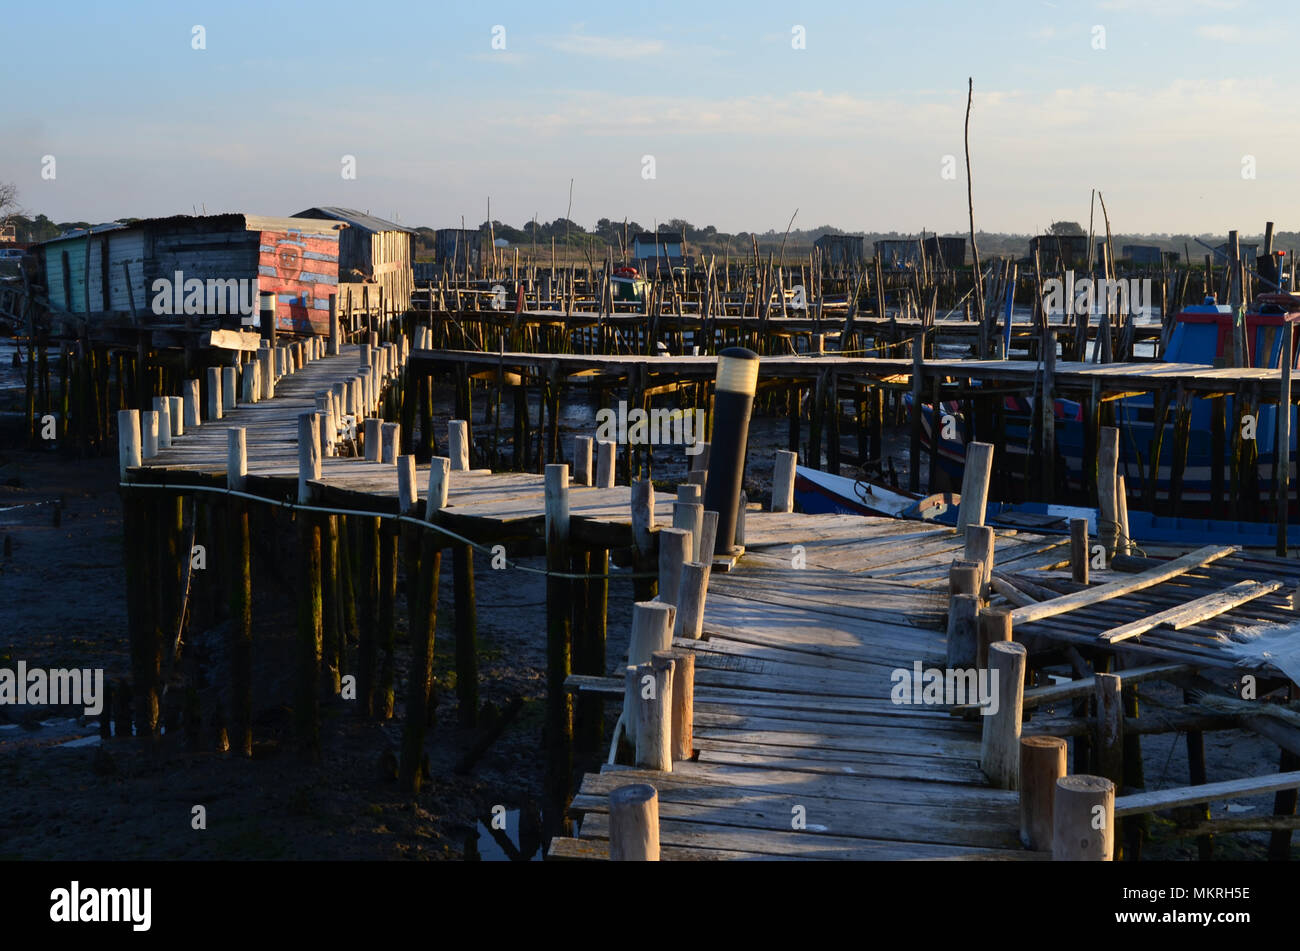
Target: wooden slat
[
  {"x": 1153, "y": 576},
  {"x": 1191, "y": 612},
  {"x": 1209, "y": 792}
]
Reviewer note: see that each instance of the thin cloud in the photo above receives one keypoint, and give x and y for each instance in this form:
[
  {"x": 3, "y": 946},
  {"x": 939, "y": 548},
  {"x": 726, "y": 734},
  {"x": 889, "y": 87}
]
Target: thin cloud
[
  {"x": 605, "y": 47},
  {"x": 1231, "y": 33}
]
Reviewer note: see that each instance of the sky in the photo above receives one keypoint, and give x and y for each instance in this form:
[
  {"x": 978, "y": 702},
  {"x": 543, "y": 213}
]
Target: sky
[{"x": 733, "y": 114}]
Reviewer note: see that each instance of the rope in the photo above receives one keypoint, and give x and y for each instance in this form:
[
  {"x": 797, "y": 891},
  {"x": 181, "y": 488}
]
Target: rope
[{"x": 361, "y": 513}]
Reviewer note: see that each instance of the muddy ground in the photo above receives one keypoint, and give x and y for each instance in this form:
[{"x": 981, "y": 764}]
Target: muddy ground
[{"x": 61, "y": 588}]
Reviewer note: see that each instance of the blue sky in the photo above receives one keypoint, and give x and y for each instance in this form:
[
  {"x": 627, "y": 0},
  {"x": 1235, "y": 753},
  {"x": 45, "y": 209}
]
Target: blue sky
[{"x": 852, "y": 130}]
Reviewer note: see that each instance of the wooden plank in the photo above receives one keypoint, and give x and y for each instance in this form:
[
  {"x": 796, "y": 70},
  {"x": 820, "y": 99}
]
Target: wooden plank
[
  {"x": 1153, "y": 576},
  {"x": 1189, "y": 795},
  {"x": 1191, "y": 612}
]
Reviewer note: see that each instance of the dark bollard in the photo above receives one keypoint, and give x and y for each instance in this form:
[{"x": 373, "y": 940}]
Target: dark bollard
[{"x": 733, "y": 402}]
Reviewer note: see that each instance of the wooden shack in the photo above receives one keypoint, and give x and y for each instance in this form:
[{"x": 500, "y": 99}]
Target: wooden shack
[
  {"x": 840, "y": 250},
  {"x": 1059, "y": 251},
  {"x": 209, "y": 269},
  {"x": 456, "y": 249},
  {"x": 372, "y": 250},
  {"x": 945, "y": 252}
]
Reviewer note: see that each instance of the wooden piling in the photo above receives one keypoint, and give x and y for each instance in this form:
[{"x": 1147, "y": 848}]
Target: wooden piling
[
  {"x": 1083, "y": 819},
  {"x": 1042, "y": 763},
  {"x": 1080, "y": 556},
  {"x": 1000, "y": 738},
  {"x": 654, "y": 718},
  {"x": 634, "y": 823},
  {"x": 559, "y": 709},
  {"x": 783, "y": 481}
]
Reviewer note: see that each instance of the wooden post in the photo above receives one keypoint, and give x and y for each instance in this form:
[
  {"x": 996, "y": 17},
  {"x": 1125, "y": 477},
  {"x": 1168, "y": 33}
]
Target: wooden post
[
  {"x": 1042, "y": 763},
  {"x": 176, "y": 408},
  {"x": 373, "y": 433},
  {"x": 439, "y": 485},
  {"x": 918, "y": 384},
  {"x": 307, "y": 699},
  {"x": 979, "y": 547},
  {"x": 689, "y": 492},
  {"x": 1083, "y": 819},
  {"x": 190, "y": 395},
  {"x": 458, "y": 444},
  {"x": 466, "y": 632},
  {"x": 1000, "y": 739},
  {"x": 683, "y": 704},
  {"x": 1109, "y": 760},
  {"x": 605, "y": 455},
  {"x": 1107, "y": 482},
  {"x": 1282, "y": 450},
  {"x": 975, "y": 485},
  {"x": 162, "y": 406},
  {"x": 674, "y": 551},
  {"x": 966, "y": 577},
  {"x": 392, "y": 438},
  {"x": 654, "y": 717},
  {"x": 634, "y": 824},
  {"x": 229, "y": 383},
  {"x": 643, "y": 535},
  {"x": 692, "y": 589},
  {"x": 1080, "y": 556},
  {"x": 1123, "y": 541},
  {"x": 129, "y": 449},
  {"x": 994, "y": 628},
  {"x": 963, "y": 621},
  {"x": 559, "y": 707},
  {"x": 422, "y": 593},
  {"x": 582, "y": 474},
  {"x": 214, "y": 393},
  {"x": 783, "y": 481},
  {"x": 241, "y": 599},
  {"x": 334, "y": 326},
  {"x": 690, "y": 517}
]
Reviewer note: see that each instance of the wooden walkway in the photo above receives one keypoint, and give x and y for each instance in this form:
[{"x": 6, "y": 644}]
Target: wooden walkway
[{"x": 801, "y": 752}]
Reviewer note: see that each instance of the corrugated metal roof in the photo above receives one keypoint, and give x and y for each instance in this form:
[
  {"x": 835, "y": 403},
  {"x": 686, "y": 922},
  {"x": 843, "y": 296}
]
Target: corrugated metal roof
[
  {"x": 227, "y": 219},
  {"x": 75, "y": 233},
  {"x": 358, "y": 219}
]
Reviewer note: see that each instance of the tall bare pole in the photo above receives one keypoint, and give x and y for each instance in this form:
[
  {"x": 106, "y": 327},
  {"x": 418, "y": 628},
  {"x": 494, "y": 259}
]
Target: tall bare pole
[{"x": 970, "y": 202}]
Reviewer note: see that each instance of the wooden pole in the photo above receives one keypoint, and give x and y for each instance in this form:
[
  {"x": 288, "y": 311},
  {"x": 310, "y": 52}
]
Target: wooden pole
[
  {"x": 1042, "y": 763},
  {"x": 1000, "y": 738},
  {"x": 979, "y": 547},
  {"x": 582, "y": 473},
  {"x": 674, "y": 551},
  {"x": 559, "y": 708},
  {"x": 975, "y": 484},
  {"x": 1109, "y": 761},
  {"x": 1107, "y": 483},
  {"x": 1083, "y": 819},
  {"x": 307, "y": 700},
  {"x": 783, "y": 481},
  {"x": 605, "y": 460},
  {"x": 241, "y": 600},
  {"x": 994, "y": 627},
  {"x": 458, "y": 444},
  {"x": 1282, "y": 451},
  {"x": 963, "y": 620},
  {"x": 1080, "y": 557},
  {"x": 692, "y": 589},
  {"x": 634, "y": 824},
  {"x": 683, "y": 705},
  {"x": 654, "y": 718}
]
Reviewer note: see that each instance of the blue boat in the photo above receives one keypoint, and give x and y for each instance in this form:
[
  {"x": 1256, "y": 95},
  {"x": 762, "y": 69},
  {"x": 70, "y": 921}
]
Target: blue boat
[{"x": 1202, "y": 334}]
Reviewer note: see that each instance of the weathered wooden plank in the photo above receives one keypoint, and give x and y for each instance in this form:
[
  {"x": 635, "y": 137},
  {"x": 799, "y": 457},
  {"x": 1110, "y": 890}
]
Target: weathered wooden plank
[
  {"x": 1153, "y": 576},
  {"x": 1191, "y": 612}
]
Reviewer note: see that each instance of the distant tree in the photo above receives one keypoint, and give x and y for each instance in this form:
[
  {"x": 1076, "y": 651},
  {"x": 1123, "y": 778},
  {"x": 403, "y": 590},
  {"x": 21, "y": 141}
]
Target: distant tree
[{"x": 1067, "y": 227}]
